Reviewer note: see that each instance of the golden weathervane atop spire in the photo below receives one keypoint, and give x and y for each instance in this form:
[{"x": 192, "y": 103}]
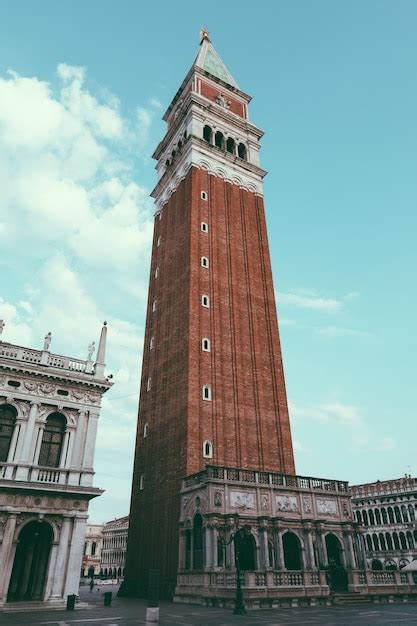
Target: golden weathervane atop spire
[{"x": 204, "y": 34}]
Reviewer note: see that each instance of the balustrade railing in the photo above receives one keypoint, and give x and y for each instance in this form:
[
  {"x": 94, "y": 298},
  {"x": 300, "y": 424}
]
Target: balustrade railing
[
  {"x": 265, "y": 478},
  {"x": 19, "y": 353}
]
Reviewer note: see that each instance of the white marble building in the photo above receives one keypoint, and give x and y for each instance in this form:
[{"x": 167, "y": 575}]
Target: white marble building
[
  {"x": 92, "y": 550},
  {"x": 49, "y": 410},
  {"x": 113, "y": 554},
  {"x": 386, "y": 512}
]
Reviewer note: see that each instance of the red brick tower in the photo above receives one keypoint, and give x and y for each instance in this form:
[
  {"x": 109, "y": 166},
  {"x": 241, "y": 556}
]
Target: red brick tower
[{"x": 212, "y": 389}]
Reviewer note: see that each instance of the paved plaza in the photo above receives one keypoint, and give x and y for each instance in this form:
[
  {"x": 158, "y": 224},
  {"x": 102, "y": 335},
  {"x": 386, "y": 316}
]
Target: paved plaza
[{"x": 129, "y": 612}]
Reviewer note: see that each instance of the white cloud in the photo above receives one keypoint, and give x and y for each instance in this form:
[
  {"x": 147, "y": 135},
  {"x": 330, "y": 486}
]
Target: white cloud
[
  {"x": 348, "y": 419},
  {"x": 308, "y": 300},
  {"x": 83, "y": 229}
]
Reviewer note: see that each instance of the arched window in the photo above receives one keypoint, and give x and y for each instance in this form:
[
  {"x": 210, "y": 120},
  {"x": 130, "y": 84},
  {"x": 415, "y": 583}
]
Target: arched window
[
  {"x": 230, "y": 145},
  {"x": 204, "y": 261},
  {"x": 93, "y": 548},
  {"x": 397, "y": 515},
  {"x": 396, "y": 541},
  {"x": 404, "y": 514},
  {"x": 52, "y": 440},
  {"x": 241, "y": 150},
  {"x": 152, "y": 343},
  {"x": 205, "y": 344},
  {"x": 142, "y": 482},
  {"x": 206, "y": 392},
  {"x": 219, "y": 140},
  {"x": 245, "y": 549},
  {"x": 205, "y": 301},
  {"x": 204, "y": 227},
  {"x": 333, "y": 549},
  {"x": 384, "y": 516},
  {"x": 271, "y": 554},
  {"x": 377, "y": 565},
  {"x": 382, "y": 541},
  {"x": 145, "y": 430},
  {"x": 371, "y": 517},
  {"x": 365, "y": 518},
  {"x": 157, "y": 272},
  {"x": 369, "y": 542},
  {"x": 198, "y": 542},
  {"x": 411, "y": 513},
  {"x": 7, "y": 424},
  {"x": 391, "y": 515},
  {"x": 207, "y": 134},
  {"x": 375, "y": 541},
  {"x": 389, "y": 541},
  {"x": 207, "y": 449},
  {"x": 403, "y": 542},
  {"x": 410, "y": 540},
  {"x": 188, "y": 549},
  {"x": 292, "y": 547},
  {"x": 358, "y": 517},
  {"x": 377, "y": 517}
]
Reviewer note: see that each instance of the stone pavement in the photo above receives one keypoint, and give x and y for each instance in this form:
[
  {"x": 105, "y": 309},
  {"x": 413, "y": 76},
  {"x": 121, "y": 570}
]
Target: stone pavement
[{"x": 131, "y": 612}]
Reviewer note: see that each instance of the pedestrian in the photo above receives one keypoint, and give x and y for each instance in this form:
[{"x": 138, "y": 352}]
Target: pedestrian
[{"x": 91, "y": 584}]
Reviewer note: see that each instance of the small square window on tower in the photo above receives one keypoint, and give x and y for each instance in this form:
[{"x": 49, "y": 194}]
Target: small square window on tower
[
  {"x": 204, "y": 227},
  {"x": 157, "y": 272},
  {"x": 154, "y": 306},
  {"x": 204, "y": 195},
  {"x": 149, "y": 384},
  {"x": 141, "y": 482},
  {"x": 204, "y": 261},
  {"x": 158, "y": 242},
  {"x": 206, "y": 393},
  {"x": 205, "y": 301},
  {"x": 145, "y": 430},
  {"x": 152, "y": 343}
]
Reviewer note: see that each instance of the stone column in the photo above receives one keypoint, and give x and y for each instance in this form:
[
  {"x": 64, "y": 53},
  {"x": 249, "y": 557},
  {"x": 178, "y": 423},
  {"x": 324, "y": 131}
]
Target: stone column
[
  {"x": 208, "y": 544},
  {"x": 279, "y": 548},
  {"x": 350, "y": 551},
  {"x": 7, "y": 554},
  {"x": 230, "y": 546},
  {"x": 181, "y": 549},
  {"x": 11, "y": 457},
  {"x": 308, "y": 540},
  {"x": 22, "y": 472},
  {"x": 61, "y": 559},
  {"x": 75, "y": 556},
  {"x": 71, "y": 437},
  {"x": 39, "y": 437},
  {"x": 321, "y": 547},
  {"x": 263, "y": 544},
  {"x": 215, "y": 536},
  {"x": 90, "y": 440},
  {"x": 64, "y": 449}
]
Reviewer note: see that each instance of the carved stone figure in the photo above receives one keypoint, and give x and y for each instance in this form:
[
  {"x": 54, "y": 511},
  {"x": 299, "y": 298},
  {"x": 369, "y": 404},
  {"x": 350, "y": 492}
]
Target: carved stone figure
[
  {"x": 326, "y": 507},
  {"x": 30, "y": 385},
  {"x": 221, "y": 101},
  {"x": 264, "y": 502},
  {"x": 47, "y": 388},
  {"x": 2, "y": 325},
  {"x": 47, "y": 341},
  {"x": 287, "y": 504},
  {"x": 307, "y": 504},
  {"x": 218, "y": 499}
]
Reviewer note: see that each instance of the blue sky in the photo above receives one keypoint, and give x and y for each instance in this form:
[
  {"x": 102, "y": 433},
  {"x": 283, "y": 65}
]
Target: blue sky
[{"x": 82, "y": 91}]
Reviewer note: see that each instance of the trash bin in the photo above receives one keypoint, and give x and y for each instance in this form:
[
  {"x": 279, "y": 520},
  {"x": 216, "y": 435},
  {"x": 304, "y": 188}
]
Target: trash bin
[
  {"x": 107, "y": 598},
  {"x": 71, "y": 602}
]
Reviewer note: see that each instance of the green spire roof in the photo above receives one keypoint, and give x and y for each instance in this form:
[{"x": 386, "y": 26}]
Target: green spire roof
[{"x": 209, "y": 61}]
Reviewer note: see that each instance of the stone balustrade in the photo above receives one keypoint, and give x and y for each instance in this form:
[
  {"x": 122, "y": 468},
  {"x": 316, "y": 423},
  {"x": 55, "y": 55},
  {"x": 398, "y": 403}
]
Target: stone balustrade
[
  {"x": 369, "y": 581},
  {"x": 47, "y": 359},
  {"x": 229, "y": 474},
  {"x": 46, "y": 475}
]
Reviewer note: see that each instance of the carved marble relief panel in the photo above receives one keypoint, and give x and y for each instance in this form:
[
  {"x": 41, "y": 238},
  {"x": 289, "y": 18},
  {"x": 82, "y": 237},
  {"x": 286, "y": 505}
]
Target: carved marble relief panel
[
  {"x": 326, "y": 507},
  {"x": 287, "y": 504},
  {"x": 242, "y": 500}
]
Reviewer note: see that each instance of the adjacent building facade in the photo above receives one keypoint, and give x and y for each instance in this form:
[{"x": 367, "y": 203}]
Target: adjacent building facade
[
  {"x": 92, "y": 551},
  {"x": 113, "y": 555},
  {"x": 386, "y": 512},
  {"x": 214, "y": 483},
  {"x": 49, "y": 411}
]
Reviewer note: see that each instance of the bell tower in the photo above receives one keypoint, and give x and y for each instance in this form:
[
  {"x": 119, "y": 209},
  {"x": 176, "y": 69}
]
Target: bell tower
[{"x": 212, "y": 389}]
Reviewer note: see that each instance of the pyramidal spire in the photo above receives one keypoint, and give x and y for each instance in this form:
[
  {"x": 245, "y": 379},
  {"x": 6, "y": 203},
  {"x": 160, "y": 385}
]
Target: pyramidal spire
[{"x": 209, "y": 61}]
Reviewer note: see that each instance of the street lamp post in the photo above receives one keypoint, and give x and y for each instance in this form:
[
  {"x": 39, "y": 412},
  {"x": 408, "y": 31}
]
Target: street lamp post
[{"x": 239, "y": 606}]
